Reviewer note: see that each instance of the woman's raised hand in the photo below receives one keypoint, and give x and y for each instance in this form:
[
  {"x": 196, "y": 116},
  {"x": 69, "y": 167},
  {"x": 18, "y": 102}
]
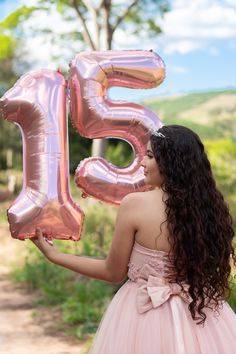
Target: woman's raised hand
[{"x": 44, "y": 245}]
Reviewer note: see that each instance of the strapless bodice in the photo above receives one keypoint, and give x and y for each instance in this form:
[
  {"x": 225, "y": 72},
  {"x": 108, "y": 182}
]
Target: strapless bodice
[
  {"x": 155, "y": 261},
  {"x": 154, "y": 273}
]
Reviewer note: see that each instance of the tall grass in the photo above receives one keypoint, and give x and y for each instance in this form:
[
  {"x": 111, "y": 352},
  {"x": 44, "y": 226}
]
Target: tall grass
[{"x": 81, "y": 301}]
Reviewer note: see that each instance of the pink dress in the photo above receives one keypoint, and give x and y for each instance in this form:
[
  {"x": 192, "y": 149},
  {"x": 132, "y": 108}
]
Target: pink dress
[{"x": 148, "y": 315}]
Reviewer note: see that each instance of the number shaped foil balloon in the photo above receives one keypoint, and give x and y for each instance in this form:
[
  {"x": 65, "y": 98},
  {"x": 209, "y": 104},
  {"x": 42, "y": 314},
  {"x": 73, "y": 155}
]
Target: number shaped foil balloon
[
  {"x": 37, "y": 104},
  {"x": 95, "y": 116}
]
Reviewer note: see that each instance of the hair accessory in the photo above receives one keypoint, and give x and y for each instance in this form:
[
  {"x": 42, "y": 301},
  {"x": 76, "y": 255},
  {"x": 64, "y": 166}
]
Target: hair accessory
[{"x": 157, "y": 133}]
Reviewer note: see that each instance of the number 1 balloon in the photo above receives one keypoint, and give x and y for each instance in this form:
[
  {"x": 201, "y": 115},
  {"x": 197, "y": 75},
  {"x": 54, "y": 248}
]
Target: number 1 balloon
[{"x": 37, "y": 104}]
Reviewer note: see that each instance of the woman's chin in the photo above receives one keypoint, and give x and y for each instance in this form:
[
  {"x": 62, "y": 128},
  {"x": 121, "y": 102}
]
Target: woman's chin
[{"x": 147, "y": 181}]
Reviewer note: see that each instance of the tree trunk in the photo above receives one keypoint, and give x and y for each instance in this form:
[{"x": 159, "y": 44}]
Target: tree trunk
[
  {"x": 9, "y": 158},
  {"x": 99, "y": 147}
]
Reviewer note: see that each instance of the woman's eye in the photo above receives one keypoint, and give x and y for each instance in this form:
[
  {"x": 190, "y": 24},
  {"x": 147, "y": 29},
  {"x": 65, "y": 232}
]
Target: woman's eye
[{"x": 150, "y": 156}]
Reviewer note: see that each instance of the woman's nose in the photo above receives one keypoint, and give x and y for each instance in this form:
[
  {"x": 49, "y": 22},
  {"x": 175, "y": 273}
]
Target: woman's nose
[{"x": 143, "y": 162}]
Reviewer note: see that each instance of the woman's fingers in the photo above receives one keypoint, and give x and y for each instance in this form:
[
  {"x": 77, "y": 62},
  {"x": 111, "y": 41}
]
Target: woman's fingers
[
  {"x": 42, "y": 242},
  {"x": 38, "y": 232},
  {"x": 50, "y": 242},
  {"x": 39, "y": 235},
  {"x": 38, "y": 238}
]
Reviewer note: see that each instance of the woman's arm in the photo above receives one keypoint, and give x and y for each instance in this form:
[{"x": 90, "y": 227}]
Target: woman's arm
[
  {"x": 95, "y": 268},
  {"x": 112, "y": 269}
]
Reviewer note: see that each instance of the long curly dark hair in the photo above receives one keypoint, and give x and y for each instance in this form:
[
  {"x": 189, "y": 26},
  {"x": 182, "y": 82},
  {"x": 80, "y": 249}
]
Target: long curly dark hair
[{"x": 198, "y": 218}]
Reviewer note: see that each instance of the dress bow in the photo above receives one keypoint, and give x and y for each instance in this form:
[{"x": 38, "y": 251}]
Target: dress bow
[{"x": 153, "y": 292}]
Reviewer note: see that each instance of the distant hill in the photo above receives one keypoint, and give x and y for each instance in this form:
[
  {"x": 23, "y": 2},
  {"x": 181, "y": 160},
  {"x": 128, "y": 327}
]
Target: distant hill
[{"x": 211, "y": 114}]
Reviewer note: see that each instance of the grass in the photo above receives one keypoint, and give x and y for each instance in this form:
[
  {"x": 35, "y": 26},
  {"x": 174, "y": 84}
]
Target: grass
[
  {"x": 81, "y": 301},
  {"x": 3, "y": 217},
  {"x": 171, "y": 111},
  {"x": 173, "y": 107}
]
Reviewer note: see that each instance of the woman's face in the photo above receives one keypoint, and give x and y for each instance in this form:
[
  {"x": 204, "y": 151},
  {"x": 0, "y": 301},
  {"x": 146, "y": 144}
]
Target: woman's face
[{"x": 152, "y": 173}]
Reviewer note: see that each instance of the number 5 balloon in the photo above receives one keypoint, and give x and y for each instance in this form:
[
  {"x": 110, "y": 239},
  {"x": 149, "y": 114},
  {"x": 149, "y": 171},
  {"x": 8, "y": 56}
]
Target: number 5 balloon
[
  {"x": 95, "y": 116},
  {"x": 37, "y": 104}
]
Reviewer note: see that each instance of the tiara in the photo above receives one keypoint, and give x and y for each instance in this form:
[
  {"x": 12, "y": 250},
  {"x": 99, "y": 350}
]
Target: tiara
[{"x": 157, "y": 133}]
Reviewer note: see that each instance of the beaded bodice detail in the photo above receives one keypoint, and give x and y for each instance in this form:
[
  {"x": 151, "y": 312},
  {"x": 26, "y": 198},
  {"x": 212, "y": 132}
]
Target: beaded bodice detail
[{"x": 158, "y": 262}]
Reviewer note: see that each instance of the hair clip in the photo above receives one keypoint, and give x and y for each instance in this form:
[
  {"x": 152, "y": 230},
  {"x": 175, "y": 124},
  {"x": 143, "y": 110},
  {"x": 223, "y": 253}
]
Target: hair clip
[{"x": 156, "y": 133}]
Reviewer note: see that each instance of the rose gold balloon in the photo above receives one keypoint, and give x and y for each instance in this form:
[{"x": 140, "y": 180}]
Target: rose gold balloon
[
  {"x": 95, "y": 116},
  {"x": 37, "y": 104}
]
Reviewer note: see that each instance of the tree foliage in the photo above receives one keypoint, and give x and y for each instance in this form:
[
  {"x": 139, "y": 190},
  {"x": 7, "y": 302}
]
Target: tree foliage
[
  {"x": 93, "y": 24},
  {"x": 11, "y": 22},
  {"x": 11, "y": 66},
  {"x": 99, "y": 19}
]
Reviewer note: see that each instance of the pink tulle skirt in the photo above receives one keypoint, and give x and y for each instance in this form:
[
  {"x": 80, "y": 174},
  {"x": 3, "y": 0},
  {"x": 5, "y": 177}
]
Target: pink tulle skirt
[{"x": 167, "y": 329}]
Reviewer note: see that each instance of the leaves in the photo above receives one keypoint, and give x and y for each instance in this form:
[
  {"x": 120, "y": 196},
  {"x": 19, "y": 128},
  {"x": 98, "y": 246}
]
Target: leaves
[
  {"x": 12, "y": 21},
  {"x": 153, "y": 27},
  {"x": 10, "y": 42},
  {"x": 7, "y": 46}
]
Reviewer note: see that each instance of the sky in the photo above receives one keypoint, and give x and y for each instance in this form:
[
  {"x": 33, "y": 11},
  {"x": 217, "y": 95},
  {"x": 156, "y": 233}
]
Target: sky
[{"x": 198, "y": 46}]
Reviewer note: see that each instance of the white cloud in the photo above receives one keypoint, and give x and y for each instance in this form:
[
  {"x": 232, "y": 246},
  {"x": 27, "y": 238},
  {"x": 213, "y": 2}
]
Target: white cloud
[
  {"x": 213, "y": 51},
  {"x": 182, "y": 47},
  {"x": 232, "y": 44},
  {"x": 177, "y": 69},
  {"x": 200, "y": 22},
  {"x": 212, "y": 22},
  {"x": 125, "y": 40},
  {"x": 231, "y": 3}
]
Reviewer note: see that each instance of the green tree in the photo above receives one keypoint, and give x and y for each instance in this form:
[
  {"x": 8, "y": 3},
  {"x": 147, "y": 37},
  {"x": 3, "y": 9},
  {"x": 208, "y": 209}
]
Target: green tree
[
  {"x": 7, "y": 73},
  {"x": 11, "y": 66},
  {"x": 98, "y": 22},
  {"x": 11, "y": 48}
]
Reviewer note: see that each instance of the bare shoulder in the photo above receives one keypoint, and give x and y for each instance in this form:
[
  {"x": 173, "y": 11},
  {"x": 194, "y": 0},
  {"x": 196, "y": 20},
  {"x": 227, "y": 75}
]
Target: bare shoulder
[
  {"x": 128, "y": 203},
  {"x": 132, "y": 197},
  {"x": 135, "y": 196},
  {"x": 137, "y": 200},
  {"x": 133, "y": 200}
]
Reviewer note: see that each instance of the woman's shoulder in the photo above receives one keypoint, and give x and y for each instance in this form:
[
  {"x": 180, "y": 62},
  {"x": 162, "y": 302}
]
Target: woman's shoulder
[{"x": 135, "y": 197}]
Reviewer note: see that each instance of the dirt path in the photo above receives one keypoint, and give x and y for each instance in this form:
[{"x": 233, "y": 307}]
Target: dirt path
[{"x": 20, "y": 331}]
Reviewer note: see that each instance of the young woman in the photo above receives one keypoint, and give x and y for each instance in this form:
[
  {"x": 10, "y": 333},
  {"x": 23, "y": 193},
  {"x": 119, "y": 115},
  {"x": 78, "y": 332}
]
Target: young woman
[{"x": 175, "y": 244}]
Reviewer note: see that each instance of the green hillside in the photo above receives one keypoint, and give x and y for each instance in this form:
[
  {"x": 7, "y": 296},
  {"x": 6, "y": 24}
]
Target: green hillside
[{"x": 211, "y": 114}]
